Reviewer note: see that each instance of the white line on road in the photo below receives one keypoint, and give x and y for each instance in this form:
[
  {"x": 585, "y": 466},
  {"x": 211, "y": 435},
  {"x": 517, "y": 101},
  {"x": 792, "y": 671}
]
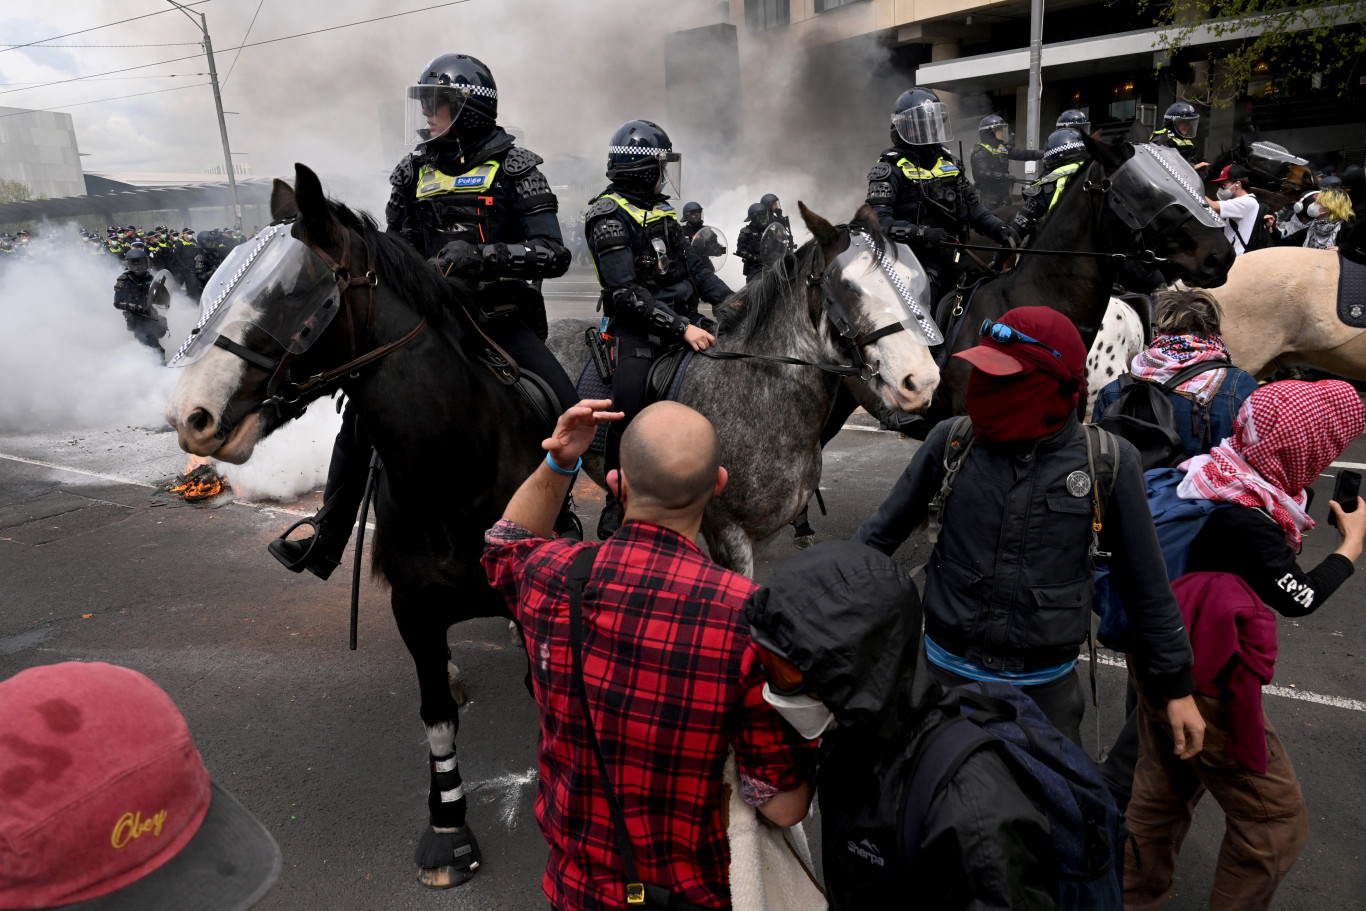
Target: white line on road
[
  {"x": 1341, "y": 702},
  {"x": 1355, "y": 466},
  {"x": 865, "y": 429}
]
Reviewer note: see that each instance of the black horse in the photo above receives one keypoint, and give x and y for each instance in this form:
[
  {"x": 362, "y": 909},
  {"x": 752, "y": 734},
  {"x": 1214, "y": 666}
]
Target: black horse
[
  {"x": 429, "y": 398},
  {"x": 1084, "y": 221}
]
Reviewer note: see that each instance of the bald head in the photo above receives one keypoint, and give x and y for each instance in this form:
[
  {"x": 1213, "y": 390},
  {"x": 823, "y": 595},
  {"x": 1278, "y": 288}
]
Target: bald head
[{"x": 670, "y": 458}]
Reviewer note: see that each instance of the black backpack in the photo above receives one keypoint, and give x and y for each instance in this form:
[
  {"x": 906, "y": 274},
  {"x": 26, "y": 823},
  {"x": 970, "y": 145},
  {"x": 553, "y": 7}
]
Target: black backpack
[
  {"x": 1260, "y": 238},
  {"x": 1143, "y": 415}
]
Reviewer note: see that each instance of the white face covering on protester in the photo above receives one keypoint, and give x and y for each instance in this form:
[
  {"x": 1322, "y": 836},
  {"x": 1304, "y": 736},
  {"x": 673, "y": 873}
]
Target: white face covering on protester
[
  {"x": 807, "y": 714},
  {"x": 1225, "y": 194}
]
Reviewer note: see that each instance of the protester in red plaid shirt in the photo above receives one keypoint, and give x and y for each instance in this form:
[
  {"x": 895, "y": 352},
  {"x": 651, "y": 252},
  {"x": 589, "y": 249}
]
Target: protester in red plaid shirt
[{"x": 669, "y": 668}]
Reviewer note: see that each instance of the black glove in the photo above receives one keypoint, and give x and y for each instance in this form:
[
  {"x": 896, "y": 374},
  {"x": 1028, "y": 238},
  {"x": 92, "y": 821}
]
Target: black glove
[
  {"x": 460, "y": 259},
  {"x": 1007, "y": 235},
  {"x": 930, "y": 236}
]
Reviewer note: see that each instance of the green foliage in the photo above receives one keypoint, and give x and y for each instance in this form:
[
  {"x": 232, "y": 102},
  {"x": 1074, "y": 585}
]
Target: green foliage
[
  {"x": 14, "y": 191},
  {"x": 1274, "y": 38}
]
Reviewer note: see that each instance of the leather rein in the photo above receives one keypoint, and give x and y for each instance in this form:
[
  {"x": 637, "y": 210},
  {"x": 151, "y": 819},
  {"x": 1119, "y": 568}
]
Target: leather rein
[{"x": 281, "y": 389}]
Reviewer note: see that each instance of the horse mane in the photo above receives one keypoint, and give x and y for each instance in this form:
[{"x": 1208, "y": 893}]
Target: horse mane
[{"x": 398, "y": 265}]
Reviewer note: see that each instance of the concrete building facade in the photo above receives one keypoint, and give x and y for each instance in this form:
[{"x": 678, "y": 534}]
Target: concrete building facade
[{"x": 38, "y": 149}]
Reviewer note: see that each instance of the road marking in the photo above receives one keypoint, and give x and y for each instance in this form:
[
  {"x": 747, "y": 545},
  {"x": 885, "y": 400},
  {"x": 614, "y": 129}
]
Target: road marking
[
  {"x": 1340, "y": 702},
  {"x": 865, "y": 429},
  {"x": 1354, "y": 466}
]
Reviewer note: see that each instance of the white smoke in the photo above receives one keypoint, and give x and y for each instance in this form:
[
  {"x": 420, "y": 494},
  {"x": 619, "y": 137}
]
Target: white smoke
[
  {"x": 290, "y": 462},
  {"x": 67, "y": 360}
]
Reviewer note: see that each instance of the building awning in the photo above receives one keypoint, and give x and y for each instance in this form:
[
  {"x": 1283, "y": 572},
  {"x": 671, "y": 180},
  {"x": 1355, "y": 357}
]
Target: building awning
[{"x": 1120, "y": 52}]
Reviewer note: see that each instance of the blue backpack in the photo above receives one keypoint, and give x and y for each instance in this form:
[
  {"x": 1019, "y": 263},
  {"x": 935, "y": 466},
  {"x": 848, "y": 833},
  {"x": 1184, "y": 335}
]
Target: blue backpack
[
  {"x": 1057, "y": 775},
  {"x": 1177, "y": 521}
]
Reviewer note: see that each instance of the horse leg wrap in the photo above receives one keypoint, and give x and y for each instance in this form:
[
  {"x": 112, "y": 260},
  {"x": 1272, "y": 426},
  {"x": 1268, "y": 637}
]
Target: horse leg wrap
[
  {"x": 446, "y": 797},
  {"x": 447, "y": 853}
]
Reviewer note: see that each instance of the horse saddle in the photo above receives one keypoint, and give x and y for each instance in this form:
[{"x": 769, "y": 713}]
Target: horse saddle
[
  {"x": 662, "y": 384},
  {"x": 540, "y": 397},
  {"x": 1351, "y": 292}
]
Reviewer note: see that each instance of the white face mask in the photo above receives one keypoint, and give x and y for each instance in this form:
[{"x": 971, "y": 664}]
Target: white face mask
[
  {"x": 1314, "y": 210},
  {"x": 1225, "y": 194},
  {"x": 807, "y": 714}
]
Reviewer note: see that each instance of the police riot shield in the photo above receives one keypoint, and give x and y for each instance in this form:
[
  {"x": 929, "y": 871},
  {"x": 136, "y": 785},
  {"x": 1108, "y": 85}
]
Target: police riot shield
[
  {"x": 1158, "y": 187},
  {"x": 1269, "y": 153},
  {"x": 159, "y": 293},
  {"x": 774, "y": 243},
  {"x": 710, "y": 244}
]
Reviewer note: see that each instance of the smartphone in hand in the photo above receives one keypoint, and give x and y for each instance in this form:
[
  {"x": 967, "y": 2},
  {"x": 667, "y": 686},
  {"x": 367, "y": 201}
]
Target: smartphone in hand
[{"x": 1345, "y": 492}]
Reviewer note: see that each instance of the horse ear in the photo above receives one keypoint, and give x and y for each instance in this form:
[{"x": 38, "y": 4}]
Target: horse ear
[
  {"x": 283, "y": 203},
  {"x": 826, "y": 234},
  {"x": 1103, "y": 153},
  {"x": 314, "y": 212}
]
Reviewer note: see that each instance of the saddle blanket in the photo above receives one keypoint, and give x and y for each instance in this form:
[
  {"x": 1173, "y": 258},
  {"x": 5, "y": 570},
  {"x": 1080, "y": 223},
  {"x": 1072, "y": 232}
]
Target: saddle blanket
[
  {"x": 661, "y": 387},
  {"x": 1351, "y": 292}
]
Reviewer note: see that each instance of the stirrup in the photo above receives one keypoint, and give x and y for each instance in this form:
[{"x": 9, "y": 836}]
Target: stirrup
[{"x": 301, "y": 563}]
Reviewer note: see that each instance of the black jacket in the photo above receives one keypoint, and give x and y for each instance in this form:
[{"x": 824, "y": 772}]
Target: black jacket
[
  {"x": 1010, "y": 582},
  {"x": 848, "y": 617},
  {"x": 991, "y": 171}
]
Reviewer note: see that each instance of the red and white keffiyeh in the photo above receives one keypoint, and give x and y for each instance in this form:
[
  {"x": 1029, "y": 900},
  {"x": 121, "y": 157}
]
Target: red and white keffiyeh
[
  {"x": 1168, "y": 355},
  {"x": 1286, "y": 434}
]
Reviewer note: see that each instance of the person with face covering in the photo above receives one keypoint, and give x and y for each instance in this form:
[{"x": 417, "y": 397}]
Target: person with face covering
[
  {"x": 1286, "y": 434},
  {"x": 1010, "y": 579}
]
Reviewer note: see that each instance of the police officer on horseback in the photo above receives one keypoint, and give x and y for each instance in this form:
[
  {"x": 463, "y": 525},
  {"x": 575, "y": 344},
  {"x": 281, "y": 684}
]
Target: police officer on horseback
[
  {"x": 477, "y": 204},
  {"x": 991, "y": 159},
  {"x": 1062, "y": 158},
  {"x": 651, "y": 279},
  {"x": 1179, "y": 128},
  {"x": 920, "y": 194}
]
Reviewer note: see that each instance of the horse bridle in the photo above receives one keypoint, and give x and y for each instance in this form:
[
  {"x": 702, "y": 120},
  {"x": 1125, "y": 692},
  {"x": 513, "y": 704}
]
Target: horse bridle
[{"x": 280, "y": 388}]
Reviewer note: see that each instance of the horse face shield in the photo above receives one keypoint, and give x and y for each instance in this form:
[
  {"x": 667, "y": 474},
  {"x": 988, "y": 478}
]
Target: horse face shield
[
  {"x": 890, "y": 286},
  {"x": 275, "y": 284},
  {"x": 1156, "y": 190}
]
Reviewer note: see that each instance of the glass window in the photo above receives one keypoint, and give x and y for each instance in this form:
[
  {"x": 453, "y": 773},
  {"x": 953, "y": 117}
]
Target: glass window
[
  {"x": 766, "y": 14},
  {"x": 825, "y": 6}
]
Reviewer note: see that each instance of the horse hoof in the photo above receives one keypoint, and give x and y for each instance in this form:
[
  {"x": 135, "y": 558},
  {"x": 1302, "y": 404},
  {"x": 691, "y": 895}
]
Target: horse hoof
[
  {"x": 456, "y": 845},
  {"x": 804, "y": 541},
  {"x": 445, "y": 877},
  {"x": 456, "y": 684}
]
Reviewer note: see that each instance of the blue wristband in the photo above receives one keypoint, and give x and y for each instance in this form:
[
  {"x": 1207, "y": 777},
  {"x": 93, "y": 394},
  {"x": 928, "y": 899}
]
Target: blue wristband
[{"x": 567, "y": 472}]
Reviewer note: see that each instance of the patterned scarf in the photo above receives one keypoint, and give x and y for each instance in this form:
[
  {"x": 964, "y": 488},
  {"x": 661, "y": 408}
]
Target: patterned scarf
[
  {"x": 1286, "y": 434},
  {"x": 1168, "y": 355}
]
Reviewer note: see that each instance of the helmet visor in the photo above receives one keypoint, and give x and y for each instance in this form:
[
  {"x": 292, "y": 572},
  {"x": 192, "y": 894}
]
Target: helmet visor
[
  {"x": 1186, "y": 127},
  {"x": 890, "y": 284},
  {"x": 433, "y": 110},
  {"x": 924, "y": 124},
  {"x": 671, "y": 168},
  {"x": 275, "y": 284}
]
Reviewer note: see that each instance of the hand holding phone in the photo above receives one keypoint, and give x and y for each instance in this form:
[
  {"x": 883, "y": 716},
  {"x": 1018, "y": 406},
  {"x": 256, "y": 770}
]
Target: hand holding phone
[{"x": 1345, "y": 493}]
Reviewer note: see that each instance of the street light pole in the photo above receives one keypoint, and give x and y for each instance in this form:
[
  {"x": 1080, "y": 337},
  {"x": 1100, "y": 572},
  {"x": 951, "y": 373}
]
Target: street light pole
[
  {"x": 218, "y": 103},
  {"x": 1035, "y": 65}
]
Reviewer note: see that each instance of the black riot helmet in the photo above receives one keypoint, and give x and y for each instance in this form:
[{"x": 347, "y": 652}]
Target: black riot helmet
[
  {"x": 986, "y": 130},
  {"x": 455, "y": 97},
  {"x": 1073, "y": 119},
  {"x": 920, "y": 118},
  {"x": 136, "y": 259},
  {"x": 641, "y": 157},
  {"x": 759, "y": 215},
  {"x": 1181, "y": 113},
  {"x": 774, "y": 206},
  {"x": 692, "y": 213},
  {"x": 1063, "y": 147}
]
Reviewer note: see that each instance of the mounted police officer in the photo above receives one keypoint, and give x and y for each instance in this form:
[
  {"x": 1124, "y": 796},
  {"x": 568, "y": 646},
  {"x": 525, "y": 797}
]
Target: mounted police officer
[
  {"x": 991, "y": 159},
  {"x": 757, "y": 219},
  {"x": 651, "y": 280},
  {"x": 920, "y": 194},
  {"x": 132, "y": 296},
  {"x": 1179, "y": 128},
  {"x": 1062, "y": 158},
  {"x": 475, "y": 203},
  {"x": 1074, "y": 119}
]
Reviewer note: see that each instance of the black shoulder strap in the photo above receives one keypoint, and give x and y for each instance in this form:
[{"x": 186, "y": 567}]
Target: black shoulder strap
[
  {"x": 944, "y": 751},
  {"x": 955, "y": 453},
  {"x": 1193, "y": 370},
  {"x": 577, "y": 579}
]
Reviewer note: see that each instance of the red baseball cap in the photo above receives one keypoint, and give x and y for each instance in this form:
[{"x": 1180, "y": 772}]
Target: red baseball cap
[
  {"x": 1231, "y": 172},
  {"x": 1043, "y": 324},
  {"x": 106, "y": 805}
]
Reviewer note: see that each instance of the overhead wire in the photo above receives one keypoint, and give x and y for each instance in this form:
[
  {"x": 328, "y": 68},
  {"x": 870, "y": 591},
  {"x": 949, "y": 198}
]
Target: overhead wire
[
  {"x": 81, "y": 104},
  {"x": 244, "y": 41},
  {"x": 96, "y": 28},
  {"x": 316, "y": 31}
]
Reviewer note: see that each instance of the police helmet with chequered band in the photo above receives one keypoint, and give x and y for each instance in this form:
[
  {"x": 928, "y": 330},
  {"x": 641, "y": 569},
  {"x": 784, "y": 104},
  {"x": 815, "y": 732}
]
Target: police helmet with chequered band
[
  {"x": 1063, "y": 147},
  {"x": 455, "y": 96},
  {"x": 920, "y": 118},
  {"x": 1074, "y": 119},
  {"x": 638, "y": 155},
  {"x": 986, "y": 130}
]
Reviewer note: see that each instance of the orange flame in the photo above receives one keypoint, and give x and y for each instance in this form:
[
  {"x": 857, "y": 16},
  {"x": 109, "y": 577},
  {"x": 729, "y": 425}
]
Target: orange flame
[{"x": 198, "y": 481}]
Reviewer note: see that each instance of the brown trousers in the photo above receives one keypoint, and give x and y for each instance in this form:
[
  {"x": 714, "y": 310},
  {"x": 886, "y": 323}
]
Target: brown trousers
[{"x": 1266, "y": 822}]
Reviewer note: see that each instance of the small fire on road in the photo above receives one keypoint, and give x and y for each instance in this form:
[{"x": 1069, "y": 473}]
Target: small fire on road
[{"x": 198, "y": 483}]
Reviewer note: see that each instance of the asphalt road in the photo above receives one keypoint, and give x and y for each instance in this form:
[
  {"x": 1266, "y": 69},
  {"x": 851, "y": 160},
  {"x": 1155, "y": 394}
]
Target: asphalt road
[{"x": 325, "y": 746}]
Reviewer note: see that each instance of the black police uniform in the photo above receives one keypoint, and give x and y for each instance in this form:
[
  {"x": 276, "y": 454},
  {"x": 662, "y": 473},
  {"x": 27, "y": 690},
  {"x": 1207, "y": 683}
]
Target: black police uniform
[
  {"x": 1042, "y": 195},
  {"x": 131, "y": 296},
  {"x": 991, "y": 171},
  {"x": 747, "y": 248},
  {"x": 494, "y": 199},
  {"x": 652, "y": 282},
  {"x": 1174, "y": 140},
  {"x": 917, "y": 192}
]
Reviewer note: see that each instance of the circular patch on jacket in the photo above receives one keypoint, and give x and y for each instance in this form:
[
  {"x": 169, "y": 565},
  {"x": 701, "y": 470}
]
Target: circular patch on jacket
[{"x": 1078, "y": 483}]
